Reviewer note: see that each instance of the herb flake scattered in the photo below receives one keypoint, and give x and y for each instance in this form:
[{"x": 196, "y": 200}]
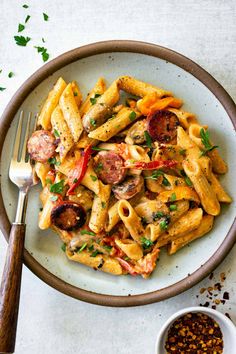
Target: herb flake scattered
[
  {"x": 44, "y": 53},
  {"x": 132, "y": 116},
  {"x": 82, "y": 247},
  {"x": 2, "y": 88},
  {"x": 57, "y": 187},
  {"x": 173, "y": 197},
  {"x": 45, "y": 16},
  {"x": 93, "y": 178},
  {"x": 173, "y": 207},
  {"x": 25, "y": 6},
  {"x": 148, "y": 139},
  {"x": 21, "y": 40},
  {"x": 93, "y": 122},
  {"x": 63, "y": 247},
  {"x": 87, "y": 232},
  {"x": 205, "y": 137},
  {"x": 10, "y": 74},
  {"x": 21, "y": 27},
  {"x": 146, "y": 243},
  {"x": 27, "y": 18}
]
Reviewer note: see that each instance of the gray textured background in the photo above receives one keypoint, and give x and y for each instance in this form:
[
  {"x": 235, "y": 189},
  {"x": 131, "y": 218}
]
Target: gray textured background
[{"x": 205, "y": 31}]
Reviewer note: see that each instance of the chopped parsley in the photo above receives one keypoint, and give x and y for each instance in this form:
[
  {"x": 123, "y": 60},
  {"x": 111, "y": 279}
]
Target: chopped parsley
[
  {"x": 91, "y": 248},
  {"x": 54, "y": 198},
  {"x": 75, "y": 94},
  {"x": 188, "y": 181},
  {"x": 21, "y": 27},
  {"x": 95, "y": 253},
  {"x": 146, "y": 243},
  {"x": 103, "y": 205},
  {"x": 53, "y": 161},
  {"x": 93, "y": 178},
  {"x": 48, "y": 181},
  {"x": 43, "y": 52},
  {"x": 173, "y": 207},
  {"x": 173, "y": 197},
  {"x": 93, "y": 122},
  {"x": 57, "y": 187},
  {"x": 63, "y": 247},
  {"x": 132, "y": 116},
  {"x": 205, "y": 137},
  {"x": 182, "y": 151},
  {"x": 27, "y": 18},
  {"x": 97, "y": 95},
  {"x": 107, "y": 248},
  {"x": 93, "y": 100},
  {"x": 21, "y": 40},
  {"x": 165, "y": 181},
  {"x": 82, "y": 247},
  {"x": 43, "y": 40},
  {"x": 25, "y": 6},
  {"x": 10, "y": 74},
  {"x": 75, "y": 180},
  {"x": 45, "y": 17},
  {"x": 95, "y": 148},
  {"x": 155, "y": 174},
  {"x": 99, "y": 167},
  {"x": 164, "y": 223},
  {"x": 56, "y": 133},
  {"x": 148, "y": 139},
  {"x": 87, "y": 232},
  {"x": 2, "y": 88},
  {"x": 157, "y": 215}
]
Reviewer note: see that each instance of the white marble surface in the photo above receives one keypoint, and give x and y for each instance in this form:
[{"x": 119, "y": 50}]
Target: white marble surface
[{"x": 205, "y": 31}]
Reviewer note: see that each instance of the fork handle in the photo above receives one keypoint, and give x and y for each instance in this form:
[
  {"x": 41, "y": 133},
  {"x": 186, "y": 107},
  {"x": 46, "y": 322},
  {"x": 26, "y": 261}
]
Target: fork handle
[{"x": 10, "y": 288}]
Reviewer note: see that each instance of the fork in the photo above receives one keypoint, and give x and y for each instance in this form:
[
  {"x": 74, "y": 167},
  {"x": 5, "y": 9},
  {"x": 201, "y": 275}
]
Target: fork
[{"x": 22, "y": 175}]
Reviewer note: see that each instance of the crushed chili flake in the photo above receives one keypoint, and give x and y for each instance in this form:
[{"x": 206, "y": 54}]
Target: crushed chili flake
[{"x": 194, "y": 333}]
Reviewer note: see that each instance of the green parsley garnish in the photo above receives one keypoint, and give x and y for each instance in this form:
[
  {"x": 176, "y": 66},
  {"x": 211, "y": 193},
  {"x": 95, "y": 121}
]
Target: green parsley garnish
[
  {"x": 95, "y": 253},
  {"x": 53, "y": 161},
  {"x": 87, "y": 232},
  {"x": 82, "y": 247},
  {"x": 75, "y": 180},
  {"x": 173, "y": 197},
  {"x": 103, "y": 205},
  {"x": 10, "y": 74},
  {"x": 43, "y": 40},
  {"x": 155, "y": 174},
  {"x": 97, "y": 95},
  {"x": 165, "y": 181},
  {"x": 188, "y": 181},
  {"x": 132, "y": 116},
  {"x": 99, "y": 167},
  {"x": 21, "y": 40},
  {"x": 54, "y": 198},
  {"x": 57, "y": 187},
  {"x": 21, "y": 27},
  {"x": 91, "y": 248},
  {"x": 182, "y": 151},
  {"x": 146, "y": 243},
  {"x": 2, "y": 88},
  {"x": 93, "y": 122},
  {"x": 148, "y": 139},
  {"x": 63, "y": 247},
  {"x": 25, "y": 6},
  {"x": 27, "y": 18},
  {"x": 43, "y": 52},
  {"x": 157, "y": 215},
  {"x": 45, "y": 17},
  {"x": 0, "y": 71},
  {"x": 204, "y": 134},
  {"x": 93, "y": 100},
  {"x": 75, "y": 94},
  {"x": 93, "y": 178},
  {"x": 163, "y": 225},
  {"x": 107, "y": 248},
  {"x": 56, "y": 133},
  {"x": 173, "y": 207},
  {"x": 95, "y": 148},
  {"x": 48, "y": 181}
]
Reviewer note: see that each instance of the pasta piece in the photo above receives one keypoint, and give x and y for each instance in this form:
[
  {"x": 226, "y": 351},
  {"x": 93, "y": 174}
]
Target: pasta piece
[
  {"x": 99, "y": 209},
  {"x": 69, "y": 163},
  {"x": 99, "y": 262},
  {"x": 187, "y": 223},
  {"x": 98, "y": 89},
  {"x": 66, "y": 140},
  {"x": 70, "y": 112},
  {"x": 45, "y": 214},
  {"x": 114, "y": 125},
  {"x": 204, "y": 228},
  {"x": 178, "y": 193},
  {"x": 77, "y": 93},
  {"x": 84, "y": 141},
  {"x": 131, "y": 220},
  {"x": 221, "y": 194},
  {"x": 83, "y": 196},
  {"x": 206, "y": 193},
  {"x": 218, "y": 164},
  {"x": 42, "y": 170},
  {"x": 113, "y": 217},
  {"x": 185, "y": 118},
  {"x": 50, "y": 104},
  {"x": 65, "y": 236},
  {"x": 90, "y": 180},
  {"x": 139, "y": 88},
  {"x": 131, "y": 248},
  {"x": 149, "y": 209}
]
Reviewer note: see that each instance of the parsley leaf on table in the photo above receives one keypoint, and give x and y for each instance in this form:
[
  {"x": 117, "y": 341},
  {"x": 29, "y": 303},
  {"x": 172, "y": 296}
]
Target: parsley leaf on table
[
  {"x": 27, "y": 18},
  {"x": 45, "y": 16},
  {"x": 21, "y": 40},
  {"x": 21, "y": 27},
  {"x": 43, "y": 52}
]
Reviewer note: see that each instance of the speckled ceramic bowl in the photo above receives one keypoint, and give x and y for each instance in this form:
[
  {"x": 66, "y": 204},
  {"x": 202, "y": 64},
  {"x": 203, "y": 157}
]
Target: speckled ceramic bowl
[
  {"x": 201, "y": 94},
  {"x": 226, "y": 325}
]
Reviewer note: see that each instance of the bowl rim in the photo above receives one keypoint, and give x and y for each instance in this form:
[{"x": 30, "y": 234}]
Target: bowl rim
[
  {"x": 217, "y": 315},
  {"x": 44, "y": 72}
]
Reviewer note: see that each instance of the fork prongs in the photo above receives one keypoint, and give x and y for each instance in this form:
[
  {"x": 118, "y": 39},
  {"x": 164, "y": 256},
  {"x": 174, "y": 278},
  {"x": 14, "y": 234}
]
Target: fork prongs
[
  {"x": 24, "y": 148},
  {"x": 17, "y": 138}
]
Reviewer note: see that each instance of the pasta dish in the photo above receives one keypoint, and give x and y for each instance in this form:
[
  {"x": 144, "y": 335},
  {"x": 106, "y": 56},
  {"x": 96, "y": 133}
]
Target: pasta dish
[{"x": 123, "y": 177}]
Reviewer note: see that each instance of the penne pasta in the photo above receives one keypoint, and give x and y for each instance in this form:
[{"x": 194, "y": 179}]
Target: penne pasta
[
  {"x": 97, "y": 90},
  {"x": 99, "y": 209}
]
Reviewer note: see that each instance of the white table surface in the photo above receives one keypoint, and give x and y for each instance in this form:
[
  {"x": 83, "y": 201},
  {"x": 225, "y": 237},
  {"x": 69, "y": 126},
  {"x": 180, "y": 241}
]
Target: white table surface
[{"x": 205, "y": 31}]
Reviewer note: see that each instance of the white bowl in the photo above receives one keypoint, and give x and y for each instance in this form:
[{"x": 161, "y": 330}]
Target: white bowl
[{"x": 227, "y": 327}]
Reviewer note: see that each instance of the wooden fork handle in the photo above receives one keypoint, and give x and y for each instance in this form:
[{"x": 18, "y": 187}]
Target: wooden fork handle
[{"x": 10, "y": 289}]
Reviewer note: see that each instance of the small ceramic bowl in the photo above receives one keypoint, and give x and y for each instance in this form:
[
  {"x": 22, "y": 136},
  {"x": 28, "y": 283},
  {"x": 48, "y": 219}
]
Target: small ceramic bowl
[{"x": 227, "y": 327}]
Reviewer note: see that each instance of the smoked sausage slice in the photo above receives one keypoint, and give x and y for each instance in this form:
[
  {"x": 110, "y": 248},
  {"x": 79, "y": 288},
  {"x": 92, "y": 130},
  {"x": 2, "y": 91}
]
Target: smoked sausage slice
[
  {"x": 162, "y": 126},
  {"x": 41, "y": 145},
  {"x": 109, "y": 167},
  {"x": 68, "y": 216}
]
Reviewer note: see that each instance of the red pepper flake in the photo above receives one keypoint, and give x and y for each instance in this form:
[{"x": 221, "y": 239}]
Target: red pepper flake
[{"x": 194, "y": 333}]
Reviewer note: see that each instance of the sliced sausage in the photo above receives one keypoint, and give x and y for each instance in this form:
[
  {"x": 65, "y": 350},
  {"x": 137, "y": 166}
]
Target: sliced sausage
[
  {"x": 129, "y": 188},
  {"x": 68, "y": 216},
  {"x": 96, "y": 116},
  {"x": 109, "y": 167},
  {"x": 162, "y": 126},
  {"x": 41, "y": 145}
]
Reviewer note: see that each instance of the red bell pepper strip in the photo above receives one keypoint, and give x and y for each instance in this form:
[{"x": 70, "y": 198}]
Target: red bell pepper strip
[
  {"x": 152, "y": 165},
  {"x": 77, "y": 174}
]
